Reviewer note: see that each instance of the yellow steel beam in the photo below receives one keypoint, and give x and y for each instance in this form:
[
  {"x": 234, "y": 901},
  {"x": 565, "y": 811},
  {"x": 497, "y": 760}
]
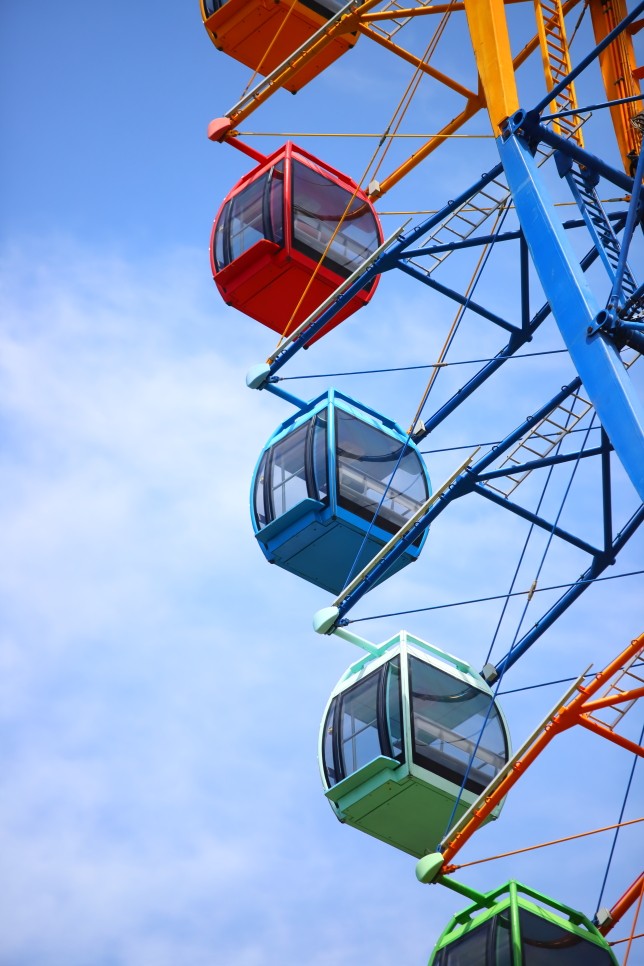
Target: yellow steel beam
[
  {"x": 491, "y": 43},
  {"x": 474, "y": 101},
  {"x": 403, "y": 12}
]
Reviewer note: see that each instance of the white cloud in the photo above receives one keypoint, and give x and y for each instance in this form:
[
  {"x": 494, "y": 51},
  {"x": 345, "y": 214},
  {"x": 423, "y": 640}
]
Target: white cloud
[{"x": 163, "y": 688}]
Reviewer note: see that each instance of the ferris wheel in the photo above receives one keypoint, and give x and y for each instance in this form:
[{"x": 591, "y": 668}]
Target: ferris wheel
[{"x": 537, "y": 263}]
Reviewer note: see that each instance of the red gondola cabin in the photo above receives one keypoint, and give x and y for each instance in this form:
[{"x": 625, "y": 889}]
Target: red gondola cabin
[
  {"x": 262, "y": 34},
  {"x": 272, "y": 230}
]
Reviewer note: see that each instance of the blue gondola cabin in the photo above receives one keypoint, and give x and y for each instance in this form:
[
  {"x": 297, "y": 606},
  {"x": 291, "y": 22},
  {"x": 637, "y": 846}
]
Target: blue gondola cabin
[{"x": 332, "y": 486}]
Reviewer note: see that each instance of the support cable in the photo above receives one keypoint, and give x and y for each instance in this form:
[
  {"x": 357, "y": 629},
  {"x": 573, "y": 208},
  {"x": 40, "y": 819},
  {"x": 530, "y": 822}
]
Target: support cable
[
  {"x": 621, "y": 815},
  {"x": 484, "y": 600},
  {"x": 550, "y": 536},
  {"x": 547, "y": 684},
  {"x": 429, "y": 365},
  {"x": 522, "y": 556},
  {"x": 542, "y": 845},
  {"x": 469, "y": 292},
  {"x": 371, "y": 162}
]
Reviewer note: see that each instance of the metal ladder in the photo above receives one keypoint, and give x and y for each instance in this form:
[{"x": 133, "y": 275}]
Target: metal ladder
[
  {"x": 556, "y": 64},
  {"x": 546, "y": 435},
  {"x": 626, "y": 681},
  {"x": 465, "y": 220},
  {"x": 600, "y": 228}
]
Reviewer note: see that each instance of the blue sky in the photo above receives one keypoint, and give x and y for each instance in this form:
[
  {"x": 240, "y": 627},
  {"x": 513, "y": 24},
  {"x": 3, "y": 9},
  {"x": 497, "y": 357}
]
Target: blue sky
[{"x": 161, "y": 684}]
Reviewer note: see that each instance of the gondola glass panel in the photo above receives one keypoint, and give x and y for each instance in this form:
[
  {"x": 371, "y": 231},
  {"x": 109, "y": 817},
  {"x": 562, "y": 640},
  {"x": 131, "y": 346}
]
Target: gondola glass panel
[
  {"x": 331, "y": 223},
  {"x": 373, "y": 774},
  {"x": 287, "y": 235},
  {"x": 541, "y": 931},
  {"x": 457, "y": 728},
  {"x": 331, "y": 487},
  {"x": 377, "y": 476}
]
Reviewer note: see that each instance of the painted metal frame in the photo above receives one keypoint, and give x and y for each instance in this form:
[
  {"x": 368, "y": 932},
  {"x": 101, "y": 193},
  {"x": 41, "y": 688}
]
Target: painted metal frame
[{"x": 593, "y": 335}]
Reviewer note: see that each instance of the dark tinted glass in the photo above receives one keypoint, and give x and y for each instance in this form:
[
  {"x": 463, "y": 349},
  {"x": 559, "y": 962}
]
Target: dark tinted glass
[
  {"x": 209, "y": 6},
  {"x": 502, "y": 945},
  {"x": 447, "y": 719},
  {"x": 318, "y": 207},
  {"x": 394, "y": 710},
  {"x": 546, "y": 944},
  {"x": 366, "y": 460},
  {"x": 487, "y": 945},
  {"x": 261, "y": 514},
  {"x": 471, "y": 950},
  {"x": 328, "y": 744},
  {"x": 326, "y": 8}
]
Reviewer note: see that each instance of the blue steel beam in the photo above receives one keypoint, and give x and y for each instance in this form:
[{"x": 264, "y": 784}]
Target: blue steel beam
[
  {"x": 529, "y": 123},
  {"x": 515, "y": 343},
  {"x": 597, "y": 567},
  {"x": 540, "y": 464},
  {"x": 462, "y": 485},
  {"x": 383, "y": 263},
  {"x": 575, "y": 309},
  {"x": 635, "y": 214},
  {"x": 481, "y": 240},
  {"x": 538, "y": 521},
  {"x": 457, "y": 297}
]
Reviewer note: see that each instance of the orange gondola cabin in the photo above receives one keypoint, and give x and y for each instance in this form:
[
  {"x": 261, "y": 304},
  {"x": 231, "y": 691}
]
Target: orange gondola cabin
[
  {"x": 287, "y": 236},
  {"x": 262, "y": 34}
]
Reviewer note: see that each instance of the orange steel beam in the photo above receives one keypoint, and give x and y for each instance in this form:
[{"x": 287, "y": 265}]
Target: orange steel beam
[
  {"x": 347, "y": 24},
  {"x": 617, "y": 64},
  {"x": 473, "y": 106},
  {"x": 565, "y": 718},
  {"x": 623, "y": 904},
  {"x": 604, "y": 732},
  {"x": 613, "y": 699},
  {"x": 474, "y": 102},
  {"x": 416, "y": 62},
  {"x": 421, "y": 11}
]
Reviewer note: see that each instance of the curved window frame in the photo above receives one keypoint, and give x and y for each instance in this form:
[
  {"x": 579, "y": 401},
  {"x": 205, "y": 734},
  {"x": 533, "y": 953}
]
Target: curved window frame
[
  {"x": 272, "y": 226},
  {"x": 343, "y": 501},
  {"x": 329, "y": 259},
  {"x": 442, "y": 769},
  {"x": 335, "y": 771},
  {"x": 317, "y": 488}
]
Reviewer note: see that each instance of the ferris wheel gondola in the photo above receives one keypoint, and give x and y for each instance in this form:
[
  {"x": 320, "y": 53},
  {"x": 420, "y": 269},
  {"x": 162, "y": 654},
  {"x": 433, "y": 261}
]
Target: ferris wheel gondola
[
  {"x": 394, "y": 759},
  {"x": 287, "y": 235},
  {"x": 333, "y": 484}
]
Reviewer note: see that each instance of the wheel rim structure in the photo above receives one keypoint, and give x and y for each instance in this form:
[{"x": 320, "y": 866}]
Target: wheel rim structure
[{"x": 535, "y": 260}]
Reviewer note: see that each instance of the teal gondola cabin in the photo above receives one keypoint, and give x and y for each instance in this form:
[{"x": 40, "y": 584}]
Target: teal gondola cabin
[{"x": 409, "y": 740}]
